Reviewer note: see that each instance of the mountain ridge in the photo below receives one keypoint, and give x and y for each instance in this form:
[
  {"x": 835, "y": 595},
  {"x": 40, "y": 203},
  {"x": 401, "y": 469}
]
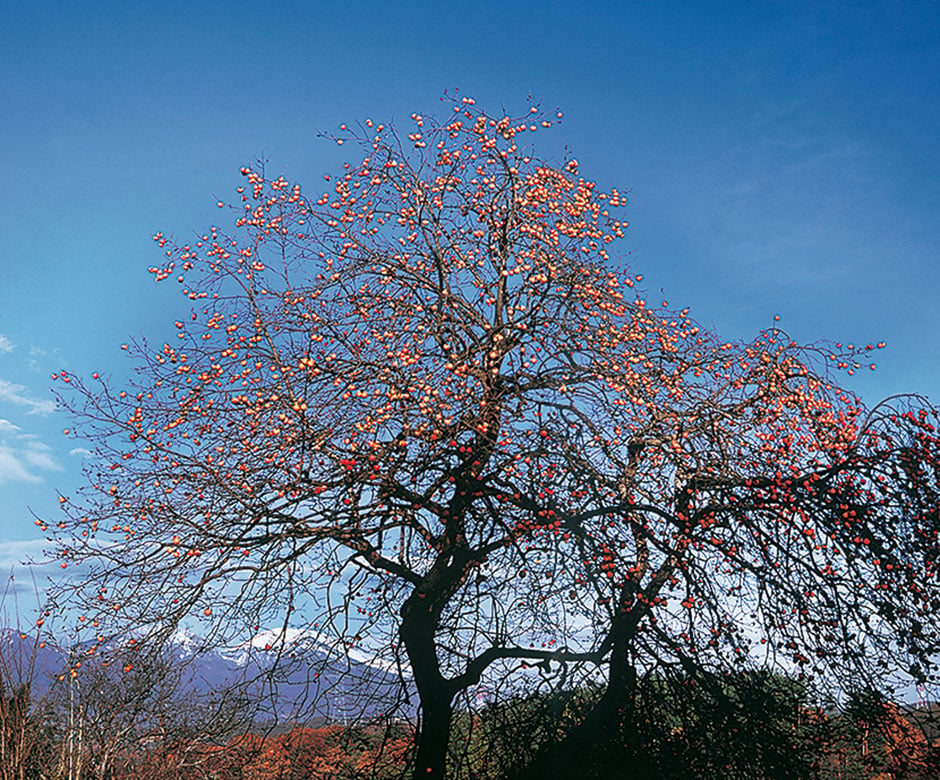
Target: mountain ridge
[{"x": 293, "y": 675}]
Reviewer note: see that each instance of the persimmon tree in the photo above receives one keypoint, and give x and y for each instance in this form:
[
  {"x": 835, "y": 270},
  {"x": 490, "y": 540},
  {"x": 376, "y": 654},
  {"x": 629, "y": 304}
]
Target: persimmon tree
[{"x": 425, "y": 411}]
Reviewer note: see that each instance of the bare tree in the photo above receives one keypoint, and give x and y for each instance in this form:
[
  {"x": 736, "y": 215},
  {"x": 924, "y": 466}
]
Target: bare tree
[{"x": 28, "y": 737}]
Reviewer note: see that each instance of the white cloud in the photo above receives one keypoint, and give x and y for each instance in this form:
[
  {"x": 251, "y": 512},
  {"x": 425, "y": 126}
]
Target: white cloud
[
  {"x": 41, "y": 460},
  {"x": 16, "y": 552},
  {"x": 80, "y": 451},
  {"x": 6, "y": 344},
  {"x": 22, "y": 454},
  {"x": 12, "y": 467},
  {"x": 15, "y": 394},
  {"x": 26, "y": 570},
  {"x": 38, "y": 359}
]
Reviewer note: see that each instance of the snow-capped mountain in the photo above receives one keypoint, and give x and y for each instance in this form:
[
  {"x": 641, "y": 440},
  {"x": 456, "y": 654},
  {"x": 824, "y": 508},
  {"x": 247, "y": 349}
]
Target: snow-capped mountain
[
  {"x": 294, "y": 640},
  {"x": 293, "y": 675}
]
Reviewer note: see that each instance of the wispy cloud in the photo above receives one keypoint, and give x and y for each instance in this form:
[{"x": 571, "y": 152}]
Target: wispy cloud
[
  {"x": 6, "y": 427},
  {"x": 22, "y": 455},
  {"x": 6, "y": 344},
  {"x": 13, "y": 468},
  {"x": 83, "y": 452},
  {"x": 41, "y": 360},
  {"x": 38, "y": 456},
  {"x": 26, "y": 570},
  {"x": 20, "y": 552},
  {"x": 17, "y": 394}
]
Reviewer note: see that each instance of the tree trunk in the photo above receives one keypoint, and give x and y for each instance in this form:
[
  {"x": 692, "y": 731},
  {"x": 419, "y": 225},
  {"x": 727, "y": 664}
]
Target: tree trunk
[
  {"x": 419, "y": 620},
  {"x": 602, "y": 733},
  {"x": 433, "y": 738}
]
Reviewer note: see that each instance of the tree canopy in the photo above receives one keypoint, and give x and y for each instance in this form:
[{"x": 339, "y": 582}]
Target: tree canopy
[{"x": 429, "y": 414}]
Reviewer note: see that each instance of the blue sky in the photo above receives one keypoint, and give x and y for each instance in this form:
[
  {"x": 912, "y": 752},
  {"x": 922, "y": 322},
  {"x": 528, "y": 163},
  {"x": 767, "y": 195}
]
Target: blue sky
[{"x": 781, "y": 158}]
